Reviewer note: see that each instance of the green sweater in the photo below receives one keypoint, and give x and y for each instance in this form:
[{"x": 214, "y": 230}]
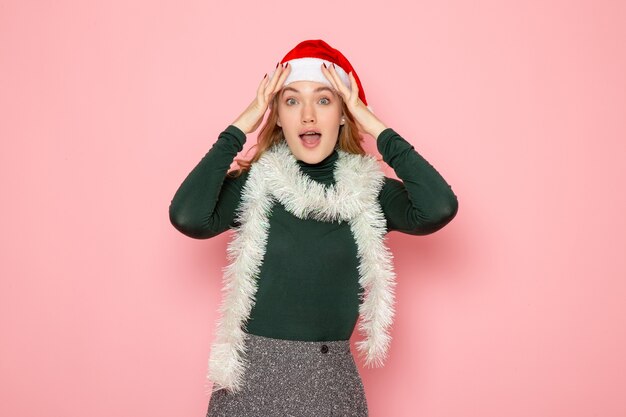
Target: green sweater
[{"x": 308, "y": 285}]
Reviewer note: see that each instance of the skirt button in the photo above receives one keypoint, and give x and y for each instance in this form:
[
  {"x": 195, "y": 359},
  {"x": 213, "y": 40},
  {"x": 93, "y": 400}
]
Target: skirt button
[{"x": 324, "y": 349}]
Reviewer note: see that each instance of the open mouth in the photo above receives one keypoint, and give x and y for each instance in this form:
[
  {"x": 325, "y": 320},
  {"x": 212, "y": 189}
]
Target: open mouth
[{"x": 310, "y": 139}]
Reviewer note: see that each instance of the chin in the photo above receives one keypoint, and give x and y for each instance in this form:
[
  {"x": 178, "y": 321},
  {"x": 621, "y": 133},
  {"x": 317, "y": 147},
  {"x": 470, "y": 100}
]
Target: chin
[
  {"x": 311, "y": 159},
  {"x": 312, "y": 156}
]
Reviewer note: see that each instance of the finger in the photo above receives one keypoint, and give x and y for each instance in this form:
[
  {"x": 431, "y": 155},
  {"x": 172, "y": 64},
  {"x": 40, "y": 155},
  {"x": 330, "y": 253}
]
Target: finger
[
  {"x": 274, "y": 80},
  {"x": 282, "y": 78},
  {"x": 331, "y": 79},
  {"x": 345, "y": 91},
  {"x": 279, "y": 84},
  {"x": 284, "y": 73},
  {"x": 262, "y": 85},
  {"x": 353, "y": 83}
]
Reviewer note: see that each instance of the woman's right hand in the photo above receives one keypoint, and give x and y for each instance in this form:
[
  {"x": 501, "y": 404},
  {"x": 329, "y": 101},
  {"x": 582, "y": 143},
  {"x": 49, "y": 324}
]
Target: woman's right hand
[{"x": 252, "y": 117}]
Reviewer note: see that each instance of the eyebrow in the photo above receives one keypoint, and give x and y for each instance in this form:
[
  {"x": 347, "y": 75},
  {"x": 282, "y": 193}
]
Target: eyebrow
[{"x": 317, "y": 90}]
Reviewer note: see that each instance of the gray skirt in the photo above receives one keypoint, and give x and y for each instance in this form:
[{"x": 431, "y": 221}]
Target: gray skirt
[{"x": 295, "y": 378}]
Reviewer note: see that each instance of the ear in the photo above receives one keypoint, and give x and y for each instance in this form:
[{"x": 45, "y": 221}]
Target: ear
[{"x": 343, "y": 119}]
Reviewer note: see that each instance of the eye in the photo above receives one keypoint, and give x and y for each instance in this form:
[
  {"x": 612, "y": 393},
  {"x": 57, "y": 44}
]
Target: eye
[
  {"x": 288, "y": 100},
  {"x": 327, "y": 100}
]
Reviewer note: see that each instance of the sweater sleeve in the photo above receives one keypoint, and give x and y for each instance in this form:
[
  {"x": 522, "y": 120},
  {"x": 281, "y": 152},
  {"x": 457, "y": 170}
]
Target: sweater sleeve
[
  {"x": 422, "y": 202},
  {"x": 204, "y": 205}
]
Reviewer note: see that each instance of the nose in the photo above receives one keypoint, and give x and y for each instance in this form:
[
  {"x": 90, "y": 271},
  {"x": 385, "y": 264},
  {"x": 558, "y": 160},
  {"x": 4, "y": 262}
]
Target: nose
[{"x": 308, "y": 114}]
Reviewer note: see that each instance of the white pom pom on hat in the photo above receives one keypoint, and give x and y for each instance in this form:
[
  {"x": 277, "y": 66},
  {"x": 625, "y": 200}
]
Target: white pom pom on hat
[{"x": 306, "y": 60}]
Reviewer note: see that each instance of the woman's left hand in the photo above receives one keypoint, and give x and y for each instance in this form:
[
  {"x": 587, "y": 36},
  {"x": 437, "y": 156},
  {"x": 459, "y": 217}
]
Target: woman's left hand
[{"x": 365, "y": 119}]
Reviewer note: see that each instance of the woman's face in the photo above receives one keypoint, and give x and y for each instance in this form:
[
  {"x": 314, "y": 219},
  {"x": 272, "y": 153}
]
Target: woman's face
[{"x": 305, "y": 106}]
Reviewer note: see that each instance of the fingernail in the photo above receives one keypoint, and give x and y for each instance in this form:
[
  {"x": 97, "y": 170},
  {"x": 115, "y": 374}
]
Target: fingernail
[
  {"x": 277, "y": 64},
  {"x": 324, "y": 64},
  {"x": 265, "y": 75},
  {"x": 286, "y": 65},
  {"x": 333, "y": 65}
]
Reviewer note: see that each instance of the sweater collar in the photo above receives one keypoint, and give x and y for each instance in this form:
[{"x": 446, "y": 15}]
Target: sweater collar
[{"x": 322, "y": 171}]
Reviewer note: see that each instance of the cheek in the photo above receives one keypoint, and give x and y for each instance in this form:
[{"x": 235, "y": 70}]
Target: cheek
[
  {"x": 336, "y": 112},
  {"x": 286, "y": 117}
]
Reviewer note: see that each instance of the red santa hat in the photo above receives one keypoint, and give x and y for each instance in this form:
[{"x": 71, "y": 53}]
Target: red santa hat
[{"x": 306, "y": 60}]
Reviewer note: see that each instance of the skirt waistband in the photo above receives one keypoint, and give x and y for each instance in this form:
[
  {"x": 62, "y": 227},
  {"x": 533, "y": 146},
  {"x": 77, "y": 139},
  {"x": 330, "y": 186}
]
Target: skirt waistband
[{"x": 298, "y": 346}]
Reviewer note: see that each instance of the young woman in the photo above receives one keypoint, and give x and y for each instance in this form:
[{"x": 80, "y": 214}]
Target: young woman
[{"x": 310, "y": 212}]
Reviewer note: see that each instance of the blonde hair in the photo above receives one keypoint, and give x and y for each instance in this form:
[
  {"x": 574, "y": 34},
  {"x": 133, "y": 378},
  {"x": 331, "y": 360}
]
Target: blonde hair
[{"x": 270, "y": 134}]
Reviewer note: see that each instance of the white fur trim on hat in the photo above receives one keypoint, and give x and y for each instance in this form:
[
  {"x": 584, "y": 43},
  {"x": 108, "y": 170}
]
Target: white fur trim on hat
[{"x": 309, "y": 69}]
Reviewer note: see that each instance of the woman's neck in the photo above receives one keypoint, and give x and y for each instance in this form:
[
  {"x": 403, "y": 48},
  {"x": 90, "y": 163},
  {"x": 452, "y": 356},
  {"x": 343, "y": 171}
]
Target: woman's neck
[{"x": 321, "y": 171}]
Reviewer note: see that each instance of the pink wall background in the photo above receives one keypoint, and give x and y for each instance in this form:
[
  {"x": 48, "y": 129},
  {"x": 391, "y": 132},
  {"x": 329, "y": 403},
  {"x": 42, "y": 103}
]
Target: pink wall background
[{"x": 516, "y": 308}]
